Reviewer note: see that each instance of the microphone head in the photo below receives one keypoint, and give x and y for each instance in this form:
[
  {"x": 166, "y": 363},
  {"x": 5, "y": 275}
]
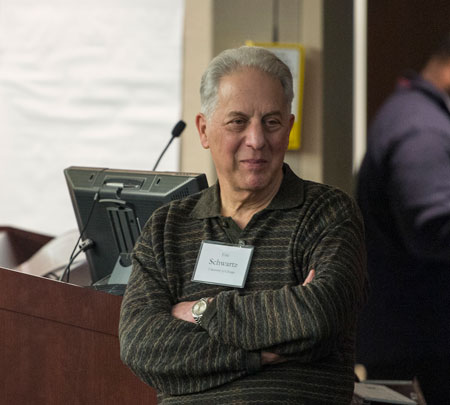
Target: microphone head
[{"x": 178, "y": 128}]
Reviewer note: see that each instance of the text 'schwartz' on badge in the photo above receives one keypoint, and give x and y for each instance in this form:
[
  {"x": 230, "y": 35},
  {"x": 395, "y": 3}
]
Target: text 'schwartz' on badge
[{"x": 223, "y": 264}]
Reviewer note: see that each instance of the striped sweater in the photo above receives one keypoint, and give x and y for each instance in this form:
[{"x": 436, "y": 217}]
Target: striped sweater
[{"x": 306, "y": 226}]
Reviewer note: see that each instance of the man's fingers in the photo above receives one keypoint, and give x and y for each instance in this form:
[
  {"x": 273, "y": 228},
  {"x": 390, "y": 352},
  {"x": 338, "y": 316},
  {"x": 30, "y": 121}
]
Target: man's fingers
[
  {"x": 271, "y": 358},
  {"x": 310, "y": 277}
]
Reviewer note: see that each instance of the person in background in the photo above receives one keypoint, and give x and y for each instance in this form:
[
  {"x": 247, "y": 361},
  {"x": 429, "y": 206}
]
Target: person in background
[
  {"x": 283, "y": 331},
  {"x": 404, "y": 194}
]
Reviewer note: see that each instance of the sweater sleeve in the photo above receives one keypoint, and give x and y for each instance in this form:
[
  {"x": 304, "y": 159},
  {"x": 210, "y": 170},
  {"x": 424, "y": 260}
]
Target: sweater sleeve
[
  {"x": 303, "y": 321},
  {"x": 174, "y": 356},
  {"x": 419, "y": 191}
]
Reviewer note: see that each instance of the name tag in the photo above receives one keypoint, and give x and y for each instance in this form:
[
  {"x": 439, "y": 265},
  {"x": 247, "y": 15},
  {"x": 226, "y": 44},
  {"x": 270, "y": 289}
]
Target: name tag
[{"x": 223, "y": 264}]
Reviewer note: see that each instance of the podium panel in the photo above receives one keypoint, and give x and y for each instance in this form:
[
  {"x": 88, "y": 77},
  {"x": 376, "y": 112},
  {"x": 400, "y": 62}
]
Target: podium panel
[{"x": 59, "y": 345}]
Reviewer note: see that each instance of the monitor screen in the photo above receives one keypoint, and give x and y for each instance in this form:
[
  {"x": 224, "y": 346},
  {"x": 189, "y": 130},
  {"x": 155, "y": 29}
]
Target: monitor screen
[{"x": 111, "y": 207}]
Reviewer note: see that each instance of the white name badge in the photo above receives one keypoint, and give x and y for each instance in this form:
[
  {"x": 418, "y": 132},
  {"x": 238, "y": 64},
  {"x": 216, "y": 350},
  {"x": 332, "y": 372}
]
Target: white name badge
[{"x": 222, "y": 264}]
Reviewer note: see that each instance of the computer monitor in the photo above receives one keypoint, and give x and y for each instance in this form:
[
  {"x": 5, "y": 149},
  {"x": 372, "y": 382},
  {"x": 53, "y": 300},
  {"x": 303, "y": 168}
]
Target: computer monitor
[{"x": 111, "y": 207}]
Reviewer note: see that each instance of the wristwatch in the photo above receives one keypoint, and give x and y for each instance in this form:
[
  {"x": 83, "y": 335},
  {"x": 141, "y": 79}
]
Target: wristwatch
[{"x": 199, "y": 308}]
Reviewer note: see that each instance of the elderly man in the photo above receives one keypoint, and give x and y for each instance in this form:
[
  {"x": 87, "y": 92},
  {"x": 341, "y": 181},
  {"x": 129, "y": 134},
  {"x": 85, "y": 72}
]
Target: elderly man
[{"x": 249, "y": 291}]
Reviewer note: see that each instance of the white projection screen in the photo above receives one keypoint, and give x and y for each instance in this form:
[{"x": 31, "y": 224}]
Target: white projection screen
[{"x": 85, "y": 83}]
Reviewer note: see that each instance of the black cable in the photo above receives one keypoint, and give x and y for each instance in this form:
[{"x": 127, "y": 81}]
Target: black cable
[
  {"x": 67, "y": 268},
  {"x": 53, "y": 272},
  {"x": 72, "y": 257}
]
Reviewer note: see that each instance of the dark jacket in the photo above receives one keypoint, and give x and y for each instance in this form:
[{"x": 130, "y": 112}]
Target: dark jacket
[{"x": 404, "y": 194}]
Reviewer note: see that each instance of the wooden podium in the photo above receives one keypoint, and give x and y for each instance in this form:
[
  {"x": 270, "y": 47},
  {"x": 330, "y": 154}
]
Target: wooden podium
[{"x": 59, "y": 345}]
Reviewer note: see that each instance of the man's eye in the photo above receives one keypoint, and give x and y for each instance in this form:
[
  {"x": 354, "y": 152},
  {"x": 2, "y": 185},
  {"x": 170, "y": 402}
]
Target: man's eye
[
  {"x": 237, "y": 123},
  {"x": 272, "y": 123}
]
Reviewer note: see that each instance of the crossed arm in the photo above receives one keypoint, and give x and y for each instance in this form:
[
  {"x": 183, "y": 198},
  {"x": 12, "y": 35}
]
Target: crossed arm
[{"x": 183, "y": 311}]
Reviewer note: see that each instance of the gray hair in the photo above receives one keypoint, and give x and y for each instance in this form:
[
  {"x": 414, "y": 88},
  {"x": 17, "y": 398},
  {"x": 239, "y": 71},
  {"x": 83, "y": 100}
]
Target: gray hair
[{"x": 233, "y": 60}]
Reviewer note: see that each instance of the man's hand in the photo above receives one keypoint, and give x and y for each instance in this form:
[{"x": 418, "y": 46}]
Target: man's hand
[
  {"x": 273, "y": 358},
  {"x": 183, "y": 311}
]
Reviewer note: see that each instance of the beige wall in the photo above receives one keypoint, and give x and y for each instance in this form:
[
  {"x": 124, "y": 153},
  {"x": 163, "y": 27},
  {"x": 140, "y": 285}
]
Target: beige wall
[
  {"x": 198, "y": 51},
  {"x": 214, "y": 25}
]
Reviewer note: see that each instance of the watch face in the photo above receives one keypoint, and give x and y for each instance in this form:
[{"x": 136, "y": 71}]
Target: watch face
[{"x": 199, "y": 307}]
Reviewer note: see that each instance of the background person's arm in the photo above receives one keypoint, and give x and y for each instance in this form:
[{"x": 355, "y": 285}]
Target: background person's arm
[{"x": 419, "y": 191}]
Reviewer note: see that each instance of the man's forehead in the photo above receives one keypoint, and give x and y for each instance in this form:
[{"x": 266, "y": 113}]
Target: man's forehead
[
  {"x": 250, "y": 75},
  {"x": 238, "y": 113},
  {"x": 250, "y": 87}
]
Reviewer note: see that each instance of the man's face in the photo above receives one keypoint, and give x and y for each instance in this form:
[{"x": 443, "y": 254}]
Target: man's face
[{"x": 248, "y": 133}]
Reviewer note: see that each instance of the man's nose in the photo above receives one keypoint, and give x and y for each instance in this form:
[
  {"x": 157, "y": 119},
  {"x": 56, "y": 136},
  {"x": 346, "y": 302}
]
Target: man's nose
[{"x": 255, "y": 136}]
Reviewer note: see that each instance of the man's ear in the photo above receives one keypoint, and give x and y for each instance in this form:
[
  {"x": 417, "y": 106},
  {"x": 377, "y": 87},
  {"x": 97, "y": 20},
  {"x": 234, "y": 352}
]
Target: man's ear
[
  {"x": 291, "y": 124},
  {"x": 201, "y": 123},
  {"x": 291, "y": 121}
]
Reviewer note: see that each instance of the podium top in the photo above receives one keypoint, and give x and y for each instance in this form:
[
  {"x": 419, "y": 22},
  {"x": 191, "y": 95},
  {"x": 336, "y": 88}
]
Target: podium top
[{"x": 58, "y": 301}]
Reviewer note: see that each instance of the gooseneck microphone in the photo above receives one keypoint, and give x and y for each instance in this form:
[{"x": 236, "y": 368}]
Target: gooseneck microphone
[{"x": 176, "y": 132}]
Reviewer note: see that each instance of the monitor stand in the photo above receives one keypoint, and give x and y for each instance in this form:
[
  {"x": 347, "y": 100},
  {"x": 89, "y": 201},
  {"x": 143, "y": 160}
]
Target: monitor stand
[
  {"x": 122, "y": 270},
  {"x": 116, "y": 282}
]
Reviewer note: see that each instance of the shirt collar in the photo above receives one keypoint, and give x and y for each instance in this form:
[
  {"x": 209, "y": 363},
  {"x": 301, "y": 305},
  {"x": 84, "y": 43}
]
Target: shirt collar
[{"x": 289, "y": 195}]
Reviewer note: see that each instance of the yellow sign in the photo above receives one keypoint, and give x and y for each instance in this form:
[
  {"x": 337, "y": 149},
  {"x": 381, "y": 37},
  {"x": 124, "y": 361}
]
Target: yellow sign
[{"x": 293, "y": 55}]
